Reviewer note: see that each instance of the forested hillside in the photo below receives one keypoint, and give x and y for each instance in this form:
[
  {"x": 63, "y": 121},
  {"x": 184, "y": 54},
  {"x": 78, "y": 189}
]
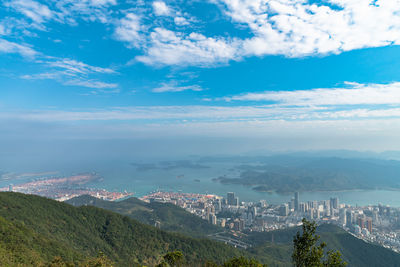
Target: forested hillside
[
  {"x": 171, "y": 217},
  {"x": 34, "y": 230}
]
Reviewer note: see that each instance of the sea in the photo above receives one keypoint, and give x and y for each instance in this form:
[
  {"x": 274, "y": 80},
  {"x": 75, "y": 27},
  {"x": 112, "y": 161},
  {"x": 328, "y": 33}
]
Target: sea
[{"x": 120, "y": 175}]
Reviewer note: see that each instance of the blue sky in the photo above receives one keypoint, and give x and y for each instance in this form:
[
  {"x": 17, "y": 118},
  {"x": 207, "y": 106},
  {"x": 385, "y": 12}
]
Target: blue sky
[{"x": 290, "y": 74}]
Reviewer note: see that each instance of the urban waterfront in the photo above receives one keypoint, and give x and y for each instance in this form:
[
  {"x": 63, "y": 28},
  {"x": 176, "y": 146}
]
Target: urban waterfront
[
  {"x": 378, "y": 224},
  {"x": 121, "y": 176}
]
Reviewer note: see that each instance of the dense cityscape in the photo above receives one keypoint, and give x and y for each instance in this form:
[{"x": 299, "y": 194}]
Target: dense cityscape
[{"x": 374, "y": 224}]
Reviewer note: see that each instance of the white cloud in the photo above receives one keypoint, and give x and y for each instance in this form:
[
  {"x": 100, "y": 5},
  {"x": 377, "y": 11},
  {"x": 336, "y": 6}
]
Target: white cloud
[
  {"x": 211, "y": 114},
  {"x": 297, "y": 28},
  {"x": 129, "y": 30},
  {"x": 70, "y": 11},
  {"x": 91, "y": 84},
  {"x": 173, "y": 87},
  {"x": 76, "y": 67},
  {"x": 3, "y": 30},
  {"x": 293, "y": 28},
  {"x": 42, "y": 76},
  {"x": 72, "y": 73},
  {"x": 161, "y": 9},
  {"x": 353, "y": 94},
  {"x": 181, "y": 21},
  {"x": 36, "y": 11},
  {"x": 10, "y": 47},
  {"x": 171, "y": 48}
]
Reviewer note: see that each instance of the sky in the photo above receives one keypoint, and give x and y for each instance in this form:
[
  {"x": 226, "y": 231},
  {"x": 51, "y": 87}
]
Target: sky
[{"x": 189, "y": 77}]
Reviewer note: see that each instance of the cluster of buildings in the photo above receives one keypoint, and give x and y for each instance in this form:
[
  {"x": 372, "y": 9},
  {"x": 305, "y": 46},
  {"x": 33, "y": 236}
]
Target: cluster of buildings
[
  {"x": 377, "y": 224},
  {"x": 65, "y": 187}
]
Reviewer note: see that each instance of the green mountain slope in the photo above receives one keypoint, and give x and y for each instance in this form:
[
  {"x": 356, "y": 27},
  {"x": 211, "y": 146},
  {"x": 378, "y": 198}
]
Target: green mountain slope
[
  {"x": 355, "y": 251},
  {"x": 35, "y": 229},
  {"x": 171, "y": 217}
]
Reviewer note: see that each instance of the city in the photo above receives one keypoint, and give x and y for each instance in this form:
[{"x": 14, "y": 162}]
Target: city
[
  {"x": 63, "y": 187},
  {"x": 374, "y": 224}
]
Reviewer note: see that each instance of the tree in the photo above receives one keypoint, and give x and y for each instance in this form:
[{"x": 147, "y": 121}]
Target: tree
[
  {"x": 308, "y": 253},
  {"x": 174, "y": 258},
  {"x": 59, "y": 262},
  {"x": 100, "y": 261},
  {"x": 242, "y": 262}
]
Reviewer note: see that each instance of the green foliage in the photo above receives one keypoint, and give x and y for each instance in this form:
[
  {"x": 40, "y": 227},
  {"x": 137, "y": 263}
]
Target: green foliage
[
  {"x": 59, "y": 262},
  {"x": 100, "y": 261},
  {"x": 307, "y": 253},
  {"x": 234, "y": 262},
  {"x": 173, "y": 259},
  {"x": 243, "y": 262},
  {"x": 36, "y": 230},
  {"x": 171, "y": 217}
]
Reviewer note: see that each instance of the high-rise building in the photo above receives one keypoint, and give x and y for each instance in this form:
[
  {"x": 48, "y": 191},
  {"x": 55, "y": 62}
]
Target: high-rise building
[
  {"x": 349, "y": 218},
  {"x": 291, "y": 204},
  {"x": 311, "y": 214},
  {"x": 284, "y": 210},
  {"x": 238, "y": 224},
  {"x": 236, "y": 202},
  {"x": 218, "y": 205},
  {"x": 302, "y": 207},
  {"x": 254, "y": 211},
  {"x": 230, "y": 198},
  {"x": 213, "y": 219},
  {"x": 208, "y": 213},
  {"x": 361, "y": 222},
  {"x": 335, "y": 202},
  {"x": 342, "y": 216},
  {"x": 296, "y": 201},
  {"x": 317, "y": 214},
  {"x": 369, "y": 225}
]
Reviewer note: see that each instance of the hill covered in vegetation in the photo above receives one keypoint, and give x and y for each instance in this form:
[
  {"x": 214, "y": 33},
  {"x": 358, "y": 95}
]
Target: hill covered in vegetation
[
  {"x": 34, "y": 230},
  {"x": 279, "y": 246},
  {"x": 171, "y": 217},
  {"x": 274, "y": 248}
]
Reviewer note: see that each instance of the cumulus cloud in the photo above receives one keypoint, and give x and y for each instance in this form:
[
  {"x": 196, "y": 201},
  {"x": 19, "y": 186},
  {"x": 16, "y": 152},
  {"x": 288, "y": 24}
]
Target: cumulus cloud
[
  {"x": 173, "y": 48},
  {"x": 181, "y": 21},
  {"x": 301, "y": 27},
  {"x": 291, "y": 28},
  {"x": 129, "y": 30},
  {"x": 161, "y": 9}
]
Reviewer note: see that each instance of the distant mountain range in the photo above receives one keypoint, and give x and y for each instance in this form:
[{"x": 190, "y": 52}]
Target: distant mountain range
[
  {"x": 288, "y": 173},
  {"x": 34, "y": 230}
]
